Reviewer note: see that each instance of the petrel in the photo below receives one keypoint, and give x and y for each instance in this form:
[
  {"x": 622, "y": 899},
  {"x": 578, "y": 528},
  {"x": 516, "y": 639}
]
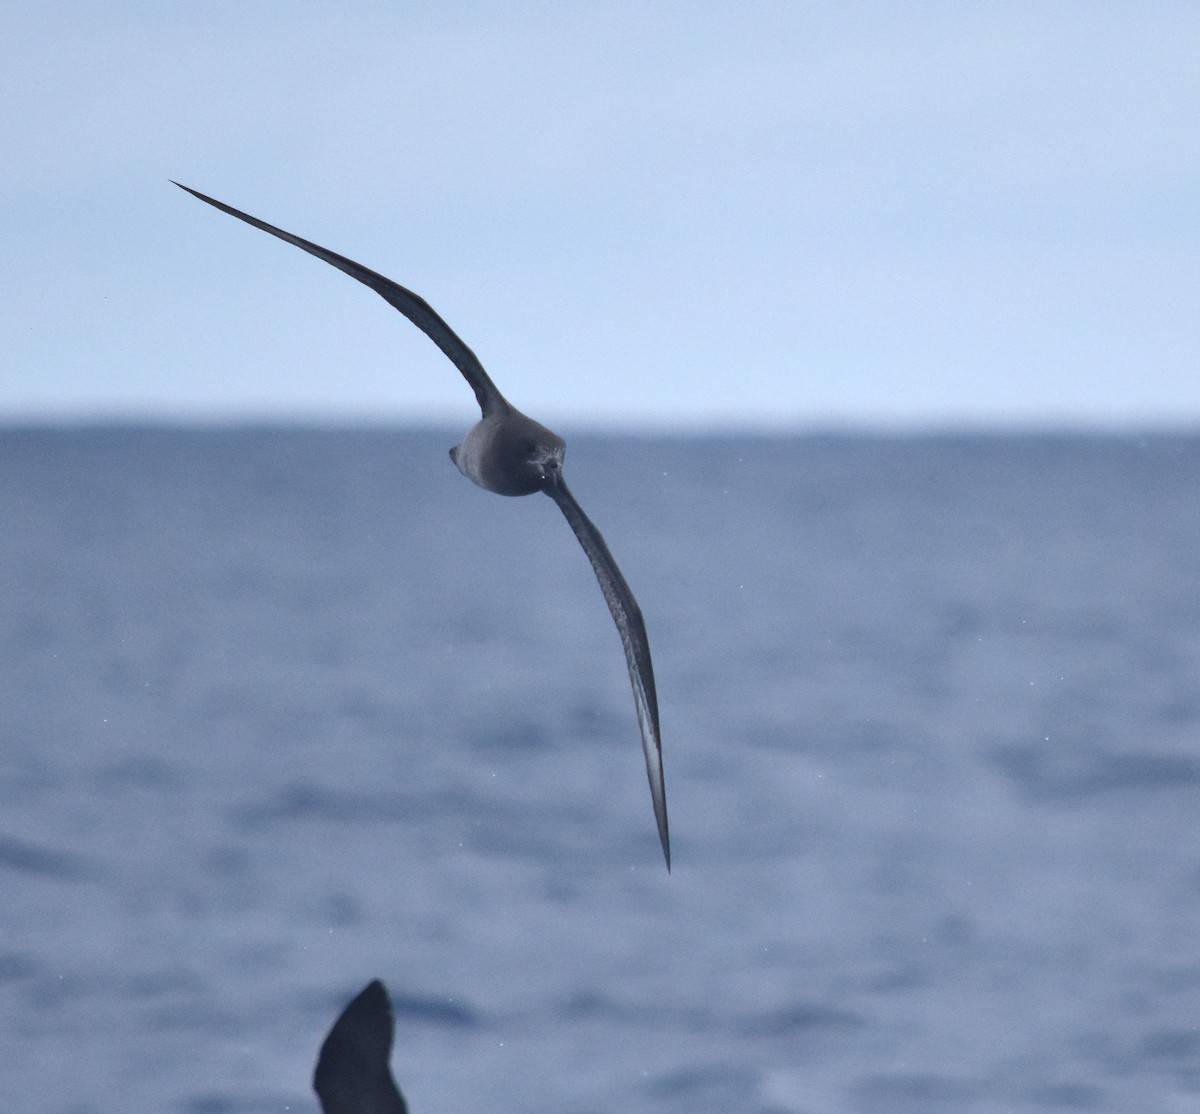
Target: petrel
[
  {"x": 353, "y": 1076},
  {"x": 511, "y": 454}
]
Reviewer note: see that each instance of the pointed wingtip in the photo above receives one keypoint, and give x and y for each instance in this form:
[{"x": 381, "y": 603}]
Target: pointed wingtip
[
  {"x": 652, "y": 748},
  {"x": 660, "y": 815},
  {"x": 194, "y": 193}
]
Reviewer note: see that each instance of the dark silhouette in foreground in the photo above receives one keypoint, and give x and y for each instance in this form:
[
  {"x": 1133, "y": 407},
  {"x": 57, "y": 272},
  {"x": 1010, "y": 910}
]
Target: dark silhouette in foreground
[
  {"x": 511, "y": 454},
  {"x": 353, "y": 1076}
]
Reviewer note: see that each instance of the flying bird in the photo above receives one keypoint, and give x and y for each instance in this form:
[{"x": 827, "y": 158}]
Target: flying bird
[
  {"x": 511, "y": 454},
  {"x": 353, "y": 1076}
]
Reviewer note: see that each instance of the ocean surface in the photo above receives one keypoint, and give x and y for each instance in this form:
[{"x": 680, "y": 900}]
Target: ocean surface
[{"x": 287, "y": 710}]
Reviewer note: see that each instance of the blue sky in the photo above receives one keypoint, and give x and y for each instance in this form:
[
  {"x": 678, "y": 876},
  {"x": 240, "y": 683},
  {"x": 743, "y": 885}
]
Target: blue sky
[{"x": 675, "y": 214}]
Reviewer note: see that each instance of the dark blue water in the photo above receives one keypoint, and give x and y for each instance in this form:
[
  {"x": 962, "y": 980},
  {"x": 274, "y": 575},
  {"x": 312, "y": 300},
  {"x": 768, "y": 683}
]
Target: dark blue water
[{"x": 285, "y": 711}]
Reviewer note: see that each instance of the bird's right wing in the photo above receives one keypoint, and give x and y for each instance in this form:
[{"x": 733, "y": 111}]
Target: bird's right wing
[{"x": 413, "y": 306}]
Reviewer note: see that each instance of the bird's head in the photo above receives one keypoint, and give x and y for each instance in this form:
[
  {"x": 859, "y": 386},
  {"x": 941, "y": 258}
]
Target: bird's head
[
  {"x": 533, "y": 452},
  {"x": 544, "y": 460}
]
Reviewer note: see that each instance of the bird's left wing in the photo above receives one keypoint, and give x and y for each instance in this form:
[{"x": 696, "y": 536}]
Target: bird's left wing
[
  {"x": 413, "y": 306},
  {"x": 632, "y": 629}
]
